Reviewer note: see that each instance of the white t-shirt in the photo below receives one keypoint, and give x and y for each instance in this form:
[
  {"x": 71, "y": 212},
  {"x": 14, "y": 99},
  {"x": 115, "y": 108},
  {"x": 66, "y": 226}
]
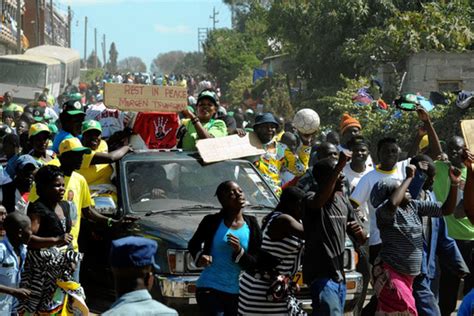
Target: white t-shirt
[
  {"x": 354, "y": 177},
  {"x": 361, "y": 195},
  {"x": 111, "y": 120}
]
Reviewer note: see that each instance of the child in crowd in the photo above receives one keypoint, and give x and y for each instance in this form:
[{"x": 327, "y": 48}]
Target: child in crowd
[
  {"x": 401, "y": 231},
  {"x": 12, "y": 258}
]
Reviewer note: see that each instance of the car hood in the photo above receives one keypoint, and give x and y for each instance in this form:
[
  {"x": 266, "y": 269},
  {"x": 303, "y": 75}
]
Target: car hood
[{"x": 176, "y": 228}]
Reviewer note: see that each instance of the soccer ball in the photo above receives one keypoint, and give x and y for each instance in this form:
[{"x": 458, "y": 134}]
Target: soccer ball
[{"x": 306, "y": 121}]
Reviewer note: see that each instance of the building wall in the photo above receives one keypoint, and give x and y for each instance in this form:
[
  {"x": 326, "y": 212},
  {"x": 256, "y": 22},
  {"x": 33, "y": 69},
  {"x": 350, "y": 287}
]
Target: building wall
[
  {"x": 45, "y": 34},
  {"x": 439, "y": 71}
]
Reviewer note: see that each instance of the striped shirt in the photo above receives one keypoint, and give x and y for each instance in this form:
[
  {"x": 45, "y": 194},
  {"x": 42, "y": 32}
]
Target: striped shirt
[
  {"x": 253, "y": 289},
  {"x": 402, "y": 234}
]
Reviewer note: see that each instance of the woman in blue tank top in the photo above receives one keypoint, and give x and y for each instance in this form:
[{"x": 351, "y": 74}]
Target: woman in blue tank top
[{"x": 231, "y": 241}]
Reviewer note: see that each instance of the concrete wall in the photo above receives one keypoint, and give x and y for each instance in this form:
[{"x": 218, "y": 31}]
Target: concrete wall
[{"x": 427, "y": 71}]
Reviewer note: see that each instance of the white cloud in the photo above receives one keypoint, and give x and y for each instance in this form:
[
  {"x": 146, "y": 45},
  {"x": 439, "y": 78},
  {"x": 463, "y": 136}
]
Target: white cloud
[{"x": 177, "y": 29}]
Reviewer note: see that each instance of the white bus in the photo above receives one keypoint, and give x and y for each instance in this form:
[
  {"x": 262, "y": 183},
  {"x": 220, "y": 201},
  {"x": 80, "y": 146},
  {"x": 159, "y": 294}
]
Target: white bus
[
  {"x": 26, "y": 76},
  {"x": 69, "y": 58}
]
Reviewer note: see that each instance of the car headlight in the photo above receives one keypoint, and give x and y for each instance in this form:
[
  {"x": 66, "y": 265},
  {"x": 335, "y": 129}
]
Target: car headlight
[{"x": 181, "y": 261}]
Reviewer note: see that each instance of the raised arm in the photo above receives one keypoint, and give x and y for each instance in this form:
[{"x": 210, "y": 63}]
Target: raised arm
[
  {"x": 107, "y": 158},
  {"x": 435, "y": 148},
  {"x": 327, "y": 190},
  {"x": 398, "y": 195}
]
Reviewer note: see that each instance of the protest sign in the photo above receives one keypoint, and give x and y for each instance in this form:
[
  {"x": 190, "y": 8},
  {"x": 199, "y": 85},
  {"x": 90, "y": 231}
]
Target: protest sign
[
  {"x": 144, "y": 98},
  {"x": 229, "y": 147},
  {"x": 467, "y": 127}
]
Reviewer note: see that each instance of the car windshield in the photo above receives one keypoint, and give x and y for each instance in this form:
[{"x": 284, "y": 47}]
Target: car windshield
[{"x": 181, "y": 184}]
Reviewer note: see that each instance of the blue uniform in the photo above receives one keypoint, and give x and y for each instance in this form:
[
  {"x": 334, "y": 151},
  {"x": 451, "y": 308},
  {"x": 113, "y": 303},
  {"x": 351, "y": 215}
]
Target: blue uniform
[{"x": 137, "y": 303}]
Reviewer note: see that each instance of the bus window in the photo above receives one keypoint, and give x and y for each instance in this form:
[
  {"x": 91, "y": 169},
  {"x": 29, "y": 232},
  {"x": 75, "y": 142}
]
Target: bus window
[{"x": 22, "y": 73}]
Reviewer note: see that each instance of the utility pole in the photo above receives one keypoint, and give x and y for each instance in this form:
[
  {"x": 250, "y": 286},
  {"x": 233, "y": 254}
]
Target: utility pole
[
  {"x": 85, "y": 43},
  {"x": 51, "y": 12},
  {"x": 232, "y": 11},
  {"x": 202, "y": 36},
  {"x": 103, "y": 51},
  {"x": 18, "y": 26},
  {"x": 95, "y": 48},
  {"x": 213, "y": 17},
  {"x": 69, "y": 20}
]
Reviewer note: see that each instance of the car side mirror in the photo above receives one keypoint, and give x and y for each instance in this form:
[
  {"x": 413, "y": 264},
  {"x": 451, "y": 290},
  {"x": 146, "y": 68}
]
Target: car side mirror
[{"x": 105, "y": 205}]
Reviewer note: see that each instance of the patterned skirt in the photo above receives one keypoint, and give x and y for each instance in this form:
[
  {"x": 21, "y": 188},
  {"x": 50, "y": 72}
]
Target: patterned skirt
[{"x": 43, "y": 268}]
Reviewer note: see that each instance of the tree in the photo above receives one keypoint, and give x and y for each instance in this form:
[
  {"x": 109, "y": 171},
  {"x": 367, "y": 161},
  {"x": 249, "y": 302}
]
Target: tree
[
  {"x": 328, "y": 38},
  {"x": 228, "y": 52},
  {"x": 131, "y": 64},
  {"x": 91, "y": 61},
  {"x": 192, "y": 63},
  {"x": 437, "y": 26},
  {"x": 166, "y": 62},
  {"x": 113, "y": 57}
]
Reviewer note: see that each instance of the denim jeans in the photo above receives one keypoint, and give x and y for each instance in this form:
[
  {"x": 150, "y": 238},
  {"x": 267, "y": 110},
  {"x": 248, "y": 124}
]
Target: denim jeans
[
  {"x": 328, "y": 297},
  {"x": 425, "y": 300},
  {"x": 216, "y": 303}
]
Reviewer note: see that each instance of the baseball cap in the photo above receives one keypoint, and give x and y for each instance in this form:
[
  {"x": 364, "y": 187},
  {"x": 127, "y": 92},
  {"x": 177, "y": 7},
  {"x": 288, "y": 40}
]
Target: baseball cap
[
  {"x": 25, "y": 160},
  {"x": 133, "y": 251},
  {"x": 91, "y": 124},
  {"x": 37, "y": 128},
  {"x": 265, "y": 118},
  {"x": 38, "y": 114},
  {"x": 207, "y": 94},
  {"x": 72, "y": 144},
  {"x": 73, "y": 107}
]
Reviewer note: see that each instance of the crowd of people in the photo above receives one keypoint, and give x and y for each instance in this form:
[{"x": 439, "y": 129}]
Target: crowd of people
[{"x": 410, "y": 216}]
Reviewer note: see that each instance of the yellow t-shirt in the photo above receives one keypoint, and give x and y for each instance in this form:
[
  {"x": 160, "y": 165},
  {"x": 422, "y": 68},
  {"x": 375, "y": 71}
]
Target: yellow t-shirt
[
  {"x": 77, "y": 193},
  {"x": 96, "y": 174}
]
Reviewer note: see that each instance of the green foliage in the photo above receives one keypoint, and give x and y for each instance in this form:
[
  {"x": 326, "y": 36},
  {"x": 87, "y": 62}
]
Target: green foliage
[
  {"x": 192, "y": 63},
  {"x": 238, "y": 87},
  {"x": 329, "y": 38},
  {"x": 228, "y": 51},
  {"x": 276, "y": 96},
  {"x": 91, "y": 61},
  {"x": 90, "y": 74},
  {"x": 377, "y": 124},
  {"x": 437, "y": 26}
]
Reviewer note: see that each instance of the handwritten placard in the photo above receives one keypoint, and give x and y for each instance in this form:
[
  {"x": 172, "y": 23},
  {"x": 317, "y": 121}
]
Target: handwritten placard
[
  {"x": 229, "y": 147},
  {"x": 467, "y": 127},
  {"x": 144, "y": 98}
]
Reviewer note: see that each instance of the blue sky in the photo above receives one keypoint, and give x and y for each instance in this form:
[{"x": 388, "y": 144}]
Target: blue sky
[{"x": 143, "y": 28}]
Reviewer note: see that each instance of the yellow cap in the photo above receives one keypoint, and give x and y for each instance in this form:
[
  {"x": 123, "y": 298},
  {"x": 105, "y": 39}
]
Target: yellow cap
[
  {"x": 72, "y": 144},
  {"x": 37, "y": 128}
]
